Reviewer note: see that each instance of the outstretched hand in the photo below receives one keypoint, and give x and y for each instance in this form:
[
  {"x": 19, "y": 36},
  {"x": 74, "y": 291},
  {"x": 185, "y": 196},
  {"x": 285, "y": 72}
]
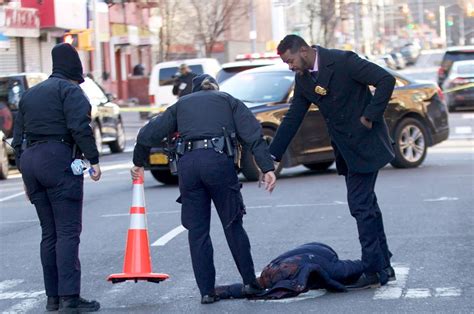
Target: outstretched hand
[
  {"x": 137, "y": 172},
  {"x": 269, "y": 180}
]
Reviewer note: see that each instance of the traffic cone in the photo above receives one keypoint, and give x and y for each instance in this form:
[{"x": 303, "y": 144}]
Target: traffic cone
[{"x": 137, "y": 263}]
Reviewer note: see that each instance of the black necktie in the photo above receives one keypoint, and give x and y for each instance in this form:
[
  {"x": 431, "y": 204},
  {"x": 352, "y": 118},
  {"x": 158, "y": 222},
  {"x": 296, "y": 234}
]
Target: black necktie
[{"x": 314, "y": 75}]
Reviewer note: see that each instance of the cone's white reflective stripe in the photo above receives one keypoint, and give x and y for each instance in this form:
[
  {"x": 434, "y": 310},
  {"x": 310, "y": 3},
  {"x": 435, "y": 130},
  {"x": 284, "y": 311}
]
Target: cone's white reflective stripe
[
  {"x": 138, "y": 196},
  {"x": 137, "y": 221}
]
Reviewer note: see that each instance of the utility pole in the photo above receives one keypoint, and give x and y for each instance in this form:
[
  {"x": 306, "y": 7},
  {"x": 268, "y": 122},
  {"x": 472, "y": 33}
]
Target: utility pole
[
  {"x": 97, "y": 47},
  {"x": 421, "y": 14},
  {"x": 442, "y": 24},
  {"x": 253, "y": 26}
]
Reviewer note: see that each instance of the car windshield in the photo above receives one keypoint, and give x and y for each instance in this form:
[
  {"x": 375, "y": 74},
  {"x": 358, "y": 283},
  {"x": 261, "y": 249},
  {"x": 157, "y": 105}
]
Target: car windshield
[
  {"x": 466, "y": 69},
  {"x": 168, "y": 75},
  {"x": 260, "y": 86}
]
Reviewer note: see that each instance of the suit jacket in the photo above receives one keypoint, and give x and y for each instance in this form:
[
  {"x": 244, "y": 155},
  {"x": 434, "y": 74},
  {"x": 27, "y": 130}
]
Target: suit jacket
[
  {"x": 341, "y": 91},
  {"x": 309, "y": 266}
]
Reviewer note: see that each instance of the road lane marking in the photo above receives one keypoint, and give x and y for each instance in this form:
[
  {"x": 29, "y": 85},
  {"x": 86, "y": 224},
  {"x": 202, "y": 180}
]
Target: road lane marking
[
  {"x": 441, "y": 199},
  {"x": 393, "y": 289},
  {"x": 8, "y": 284},
  {"x": 463, "y": 130},
  {"x": 23, "y": 307},
  {"x": 447, "y": 292},
  {"x": 418, "y": 293},
  {"x": 11, "y": 197},
  {"x": 312, "y": 294},
  {"x": 20, "y": 295},
  {"x": 148, "y": 213},
  {"x": 18, "y": 221},
  {"x": 467, "y": 116},
  {"x": 169, "y": 236}
]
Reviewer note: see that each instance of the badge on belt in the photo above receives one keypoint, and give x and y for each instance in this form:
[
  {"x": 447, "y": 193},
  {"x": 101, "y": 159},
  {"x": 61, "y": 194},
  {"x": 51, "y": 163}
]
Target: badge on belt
[{"x": 320, "y": 90}]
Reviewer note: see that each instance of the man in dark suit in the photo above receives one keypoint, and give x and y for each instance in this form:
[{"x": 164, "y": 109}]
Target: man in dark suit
[{"x": 338, "y": 83}]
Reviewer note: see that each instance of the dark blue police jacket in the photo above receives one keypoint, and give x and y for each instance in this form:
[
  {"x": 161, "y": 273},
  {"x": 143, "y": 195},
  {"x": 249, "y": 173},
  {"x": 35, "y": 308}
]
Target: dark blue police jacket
[
  {"x": 341, "y": 91},
  {"x": 309, "y": 266}
]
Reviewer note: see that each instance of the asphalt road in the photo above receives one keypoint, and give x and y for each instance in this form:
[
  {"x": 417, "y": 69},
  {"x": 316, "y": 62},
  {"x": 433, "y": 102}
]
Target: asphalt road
[{"x": 427, "y": 213}]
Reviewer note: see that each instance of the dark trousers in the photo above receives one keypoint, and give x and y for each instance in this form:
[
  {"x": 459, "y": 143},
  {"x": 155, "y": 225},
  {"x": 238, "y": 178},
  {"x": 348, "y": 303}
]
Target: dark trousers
[
  {"x": 205, "y": 176},
  {"x": 57, "y": 196},
  {"x": 364, "y": 208}
]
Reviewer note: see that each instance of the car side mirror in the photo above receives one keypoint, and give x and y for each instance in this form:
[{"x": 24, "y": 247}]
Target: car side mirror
[{"x": 110, "y": 96}]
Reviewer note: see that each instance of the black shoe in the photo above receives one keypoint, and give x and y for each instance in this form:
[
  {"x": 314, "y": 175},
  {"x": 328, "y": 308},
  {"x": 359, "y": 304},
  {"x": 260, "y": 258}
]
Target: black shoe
[
  {"x": 390, "y": 273},
  {"x": 77, "y": 305},
  {"x": 365, "y": 281},
  {"x": 252, "y": 289},
  {"x": 208, "y": 299},
  {"x": 52, "y": 304}
]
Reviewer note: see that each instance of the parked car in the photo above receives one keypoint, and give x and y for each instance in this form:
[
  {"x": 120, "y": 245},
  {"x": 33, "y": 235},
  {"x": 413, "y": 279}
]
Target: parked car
[
  {"x": 452, "y": 55},
  {"x": 461, "y": 74},
  {"x": 106, "y": 123},
  {"x": 416, "y": 116},
  {"x": 232, "y": 68},
  {"x": 164, "y": 73},
  {"x": 4, "y": 165},
  {"x": 400, "y": 62},
  {"x": 410, "y": 52}
]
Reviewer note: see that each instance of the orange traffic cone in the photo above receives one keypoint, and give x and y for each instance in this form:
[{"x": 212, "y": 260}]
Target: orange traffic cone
[{"x": 137, "y": 264}]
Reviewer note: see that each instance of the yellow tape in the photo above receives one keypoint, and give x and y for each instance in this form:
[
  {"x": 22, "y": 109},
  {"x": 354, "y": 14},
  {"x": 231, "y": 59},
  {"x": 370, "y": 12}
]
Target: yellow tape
[
  {"x": 142, "y": 109},
  {"x": 455, "y": 89}
]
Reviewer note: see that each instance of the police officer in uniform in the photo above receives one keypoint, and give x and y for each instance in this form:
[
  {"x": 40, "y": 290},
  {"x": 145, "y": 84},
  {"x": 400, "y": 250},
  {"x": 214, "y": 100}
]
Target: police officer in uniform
[
  {"x": 207, "y": 172},
  {"x": 53, "y": 121},
  {"x": 184, "y": 82}
]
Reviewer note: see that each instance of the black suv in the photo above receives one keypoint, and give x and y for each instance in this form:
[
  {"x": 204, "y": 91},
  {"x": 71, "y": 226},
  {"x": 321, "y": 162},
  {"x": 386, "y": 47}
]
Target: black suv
[{"x": 451, "y": 55}]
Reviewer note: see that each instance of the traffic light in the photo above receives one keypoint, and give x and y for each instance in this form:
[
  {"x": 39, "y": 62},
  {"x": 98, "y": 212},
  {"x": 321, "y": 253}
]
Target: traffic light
[{"x": 80, "y": 39}]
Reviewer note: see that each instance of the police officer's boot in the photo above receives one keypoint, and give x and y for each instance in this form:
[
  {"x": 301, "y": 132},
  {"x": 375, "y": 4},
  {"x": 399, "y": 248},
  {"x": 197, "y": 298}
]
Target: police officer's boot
[
  {"x": 52, "y": 304},
  {"x": 208, "y": 299},
  {"x": 252, "y": 289},
  {"x": 76, "y": 304}
]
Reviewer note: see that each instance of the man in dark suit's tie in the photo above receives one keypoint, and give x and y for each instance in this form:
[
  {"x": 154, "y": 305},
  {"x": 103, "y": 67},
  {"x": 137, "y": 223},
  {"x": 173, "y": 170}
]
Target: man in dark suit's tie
[{"x": 338, "y": 83}]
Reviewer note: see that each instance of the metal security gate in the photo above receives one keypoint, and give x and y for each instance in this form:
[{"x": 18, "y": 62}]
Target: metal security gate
[
  {"x": 9, "y": 58},
  {"x": 31, "y": 54}
]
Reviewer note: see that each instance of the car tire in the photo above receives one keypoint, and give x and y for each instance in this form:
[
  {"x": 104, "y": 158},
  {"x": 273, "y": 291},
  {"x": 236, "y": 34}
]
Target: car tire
[
  {"x": 320, "y": 166},
  {"x": 164, "y": 176},
  {"x": 4, "y": 164},
  {"x": 249, "y": 167},
  {"x": 118, "y": 145},
  {"x": 411, "y": 144},
  {"x": 98, "y": 137}
]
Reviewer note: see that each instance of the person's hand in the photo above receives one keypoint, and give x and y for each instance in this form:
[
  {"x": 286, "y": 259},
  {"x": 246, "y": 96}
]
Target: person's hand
[
  {"x": 269, "y": 179},
  {"x": 366, "y": 122},
  {"x": 95, "y": 172},
  {"x": 137, "y": 172}
]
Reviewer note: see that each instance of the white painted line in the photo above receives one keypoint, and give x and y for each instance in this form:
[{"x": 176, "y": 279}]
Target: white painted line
[
  {"x": 148, "y": 213},
  {"x": 23, "y": 307},
  {"x": 310, "y": 205},
  {"x": 312, "y": 294},
  {"x": 169, "y": 236},
  {"x": 11, "y": 196},
  {"x": 256, "y": 207},
  {"x": 18, "y": 221},
  {"x": 441, "y": 199},
  {"x": 467, "y": 116},
  {"x": 447, "y": 292},
  {"x": 463, "y": 130},
  {"x": 393, "y": 289},
  {"x": 20, "y": 295},
  {"x": 418, "y": 293},
  {"x": 8, "y": 284}
]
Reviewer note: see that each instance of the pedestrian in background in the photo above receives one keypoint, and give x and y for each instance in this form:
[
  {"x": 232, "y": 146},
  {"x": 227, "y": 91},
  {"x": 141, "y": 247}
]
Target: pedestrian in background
[
  {"x": 338, "y": 83},
  {"x": 183, "y": 83},
  {"x": 54, "y": 122},
  {"x": 205, "y": 119}
]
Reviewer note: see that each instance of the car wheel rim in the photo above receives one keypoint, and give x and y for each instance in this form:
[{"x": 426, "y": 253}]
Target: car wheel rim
[
  {"x": 412, "y": 143},
  {"x": 98, "y": 139},
  {"x": 121, "y": 136}
]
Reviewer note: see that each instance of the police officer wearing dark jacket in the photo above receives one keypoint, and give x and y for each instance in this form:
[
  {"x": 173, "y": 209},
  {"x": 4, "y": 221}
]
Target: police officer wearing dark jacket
[
  {"x": 53, "y": 121},
  {"x": 183, "y": 84},
  {"x": 338, "y": 83},
  {"x": 207, "y": 173}
]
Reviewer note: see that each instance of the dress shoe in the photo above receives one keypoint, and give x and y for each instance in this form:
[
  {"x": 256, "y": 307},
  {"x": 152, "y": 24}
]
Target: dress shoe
[
  {"x": 208, "y": 299},
  {"x": 252, "y": 289},
  {"x": 77, "y": 305},
  {"x": 390, "y": 273},
  {"x": 52, "y": 304},
  {"x": 365, "y": 281}
]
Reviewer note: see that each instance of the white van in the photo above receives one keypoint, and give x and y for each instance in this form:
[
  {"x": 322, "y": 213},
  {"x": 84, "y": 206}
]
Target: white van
[{"x": 162, "y": 78}]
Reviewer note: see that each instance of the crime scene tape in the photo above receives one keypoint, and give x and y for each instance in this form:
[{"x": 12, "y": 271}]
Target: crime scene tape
[
  {"x": 455, "y": 89},
  {"x": 142, "y": 109}
]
